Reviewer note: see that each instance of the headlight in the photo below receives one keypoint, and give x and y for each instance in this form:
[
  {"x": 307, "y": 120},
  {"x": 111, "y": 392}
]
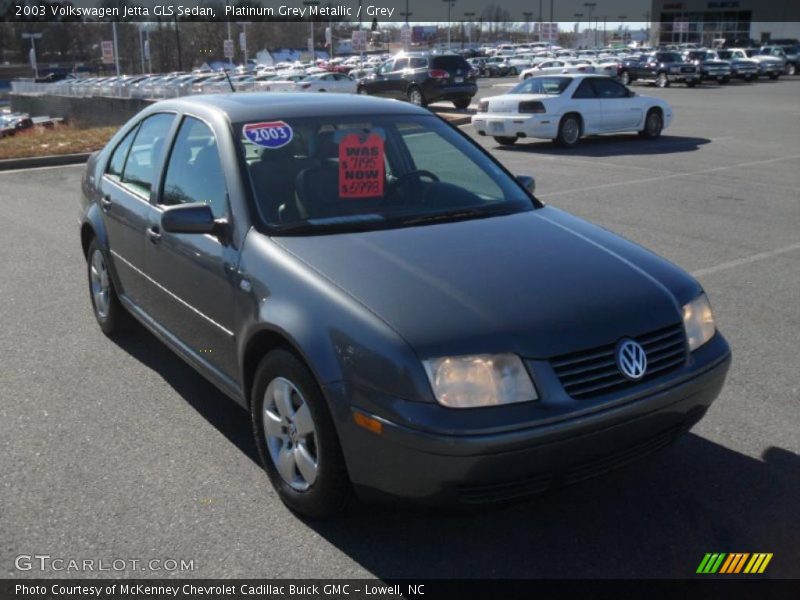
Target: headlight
[
  {"x": 698, "y": 321},
  {"x": 479, "y": 380}
]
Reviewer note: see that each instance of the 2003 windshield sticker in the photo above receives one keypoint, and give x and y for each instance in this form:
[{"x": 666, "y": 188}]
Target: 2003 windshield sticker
[
  {"x": 270, "y": 134},
  {"x": 361, "y": 166}
]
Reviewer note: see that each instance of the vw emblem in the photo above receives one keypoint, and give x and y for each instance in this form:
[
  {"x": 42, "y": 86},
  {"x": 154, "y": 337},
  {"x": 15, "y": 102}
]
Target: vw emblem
[{"x": 631, "y": 359}]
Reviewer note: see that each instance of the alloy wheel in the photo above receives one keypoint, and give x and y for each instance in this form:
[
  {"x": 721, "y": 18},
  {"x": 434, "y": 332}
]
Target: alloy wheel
[
  {"x": 571, "y": 131},
  {"x": 98, "y": 273},
  {"x": 290, "y": 434}
]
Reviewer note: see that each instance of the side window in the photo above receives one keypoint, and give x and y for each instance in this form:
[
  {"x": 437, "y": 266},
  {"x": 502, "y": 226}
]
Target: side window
[
  {"x": 194, "y": 172},
  {"x": 400, "y": 64},
  {"x": 419, "y": 63},
  {"x": 146, "y": 153},
  {"x": 585, "y": 90},
  {"x": 606, "y": 88},
  {"x": 386, "y": 67},
  {"x": 117, "y": 162}
]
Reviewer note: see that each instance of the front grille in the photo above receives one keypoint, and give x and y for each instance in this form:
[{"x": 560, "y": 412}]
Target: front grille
[
  {"x": 594, "y": 372},
  {"x": 507, "y": 491},
  {"x": 687, "y": 69}
]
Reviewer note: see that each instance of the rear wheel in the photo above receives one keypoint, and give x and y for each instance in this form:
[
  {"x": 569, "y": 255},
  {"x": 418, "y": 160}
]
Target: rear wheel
[
  {"x": 662, "y": 80},
  {"x": 749, "y": 77},
  {"x": 774, "y": 75},
  {"x": 462, "y": 103},
  {"x": 691, "y": 83},
  {"x": 111, "y": 316},
  {"x": 513, "y": 72},
  {"x": 653, "y": 124},
  {"x": 791, "y": 69},
  {"x": 625, "y": 78},
  {"x": 724, "y": 79},
  {"x": 296, "y": 437},
  {"x": 362, "y": 90},
  {"x": 569, "y": 131},
  {"x": 415, "y": 97},
  {"x": 505, "y": 140}
]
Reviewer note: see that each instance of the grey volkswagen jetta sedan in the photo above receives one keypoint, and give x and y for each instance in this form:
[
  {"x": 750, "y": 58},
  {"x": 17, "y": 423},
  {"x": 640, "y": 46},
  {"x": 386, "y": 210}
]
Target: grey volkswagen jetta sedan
[{"x": 400, "y": 315}]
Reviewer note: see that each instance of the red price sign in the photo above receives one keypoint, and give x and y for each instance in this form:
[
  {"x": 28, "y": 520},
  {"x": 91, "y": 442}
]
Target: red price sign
[{"x": 361, "y": 166}]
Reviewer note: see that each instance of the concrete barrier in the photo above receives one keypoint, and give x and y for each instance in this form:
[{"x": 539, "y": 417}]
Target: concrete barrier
[{"x": 96, "y": 111}]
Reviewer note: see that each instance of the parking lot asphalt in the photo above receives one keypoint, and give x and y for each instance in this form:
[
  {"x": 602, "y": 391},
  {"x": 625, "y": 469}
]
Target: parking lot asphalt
[{"x": 119, "y": 450}]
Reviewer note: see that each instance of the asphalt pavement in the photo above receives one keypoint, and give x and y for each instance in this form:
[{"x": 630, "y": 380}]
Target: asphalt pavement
[{"x": 119, "y": 450}]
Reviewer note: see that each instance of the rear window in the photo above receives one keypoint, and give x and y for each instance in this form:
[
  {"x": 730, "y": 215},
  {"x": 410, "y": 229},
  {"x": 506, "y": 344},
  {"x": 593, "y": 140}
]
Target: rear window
[{"x": 449, "y": 63}]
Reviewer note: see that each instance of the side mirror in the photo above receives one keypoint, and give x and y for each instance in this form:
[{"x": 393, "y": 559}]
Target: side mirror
[
  {"x": 195, "y": 217},
  {"x": 528, "y": 182}
]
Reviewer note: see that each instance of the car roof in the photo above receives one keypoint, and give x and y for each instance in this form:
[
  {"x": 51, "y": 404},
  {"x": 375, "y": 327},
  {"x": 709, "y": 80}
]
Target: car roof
[{"x": 267, "y": 105}]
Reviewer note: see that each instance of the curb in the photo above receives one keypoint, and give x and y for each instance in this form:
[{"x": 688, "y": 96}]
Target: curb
[{"x": 53, "y": 160}]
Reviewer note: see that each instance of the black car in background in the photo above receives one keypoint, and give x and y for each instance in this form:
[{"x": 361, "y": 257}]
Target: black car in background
[
  {"x": 661, "y": 68},
  {"x": 422, "y": 78}
]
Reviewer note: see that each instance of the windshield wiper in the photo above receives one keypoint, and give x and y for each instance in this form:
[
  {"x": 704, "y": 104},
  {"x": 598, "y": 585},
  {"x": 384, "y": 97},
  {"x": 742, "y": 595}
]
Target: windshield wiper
[
  {"x": 330, "y": 225},
  {"x": 461, "y": 215}
]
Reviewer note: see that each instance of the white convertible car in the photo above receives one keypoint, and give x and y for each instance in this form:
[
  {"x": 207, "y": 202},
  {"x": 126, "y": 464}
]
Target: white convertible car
[{"x": 564, "y": 108}]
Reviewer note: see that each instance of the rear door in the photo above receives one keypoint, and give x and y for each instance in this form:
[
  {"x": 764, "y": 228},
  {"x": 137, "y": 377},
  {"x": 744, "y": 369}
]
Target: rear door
[
  {"x": 126, "y": 188},
  {"x": 380, "y": 84},
  {"x": 195, "y": 273}
]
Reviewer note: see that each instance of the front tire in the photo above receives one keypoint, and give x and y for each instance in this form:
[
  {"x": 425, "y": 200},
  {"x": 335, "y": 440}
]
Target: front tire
[
  {"x": 774, "y": 76},
  {"x": 296, "y": 438},
  {"x": 724, "y": 80},
  {"x": 108, "y": 311},
  {"x": 462, "y": 103},
  {"x": 691, "y": 83},
  {"x": 505, "y": 140},
  {"x": 569, "y": 131},
  {"x": 362, "y": 90},
  {"x": 662, "y": 80},
  {"x": 512, "y": 72},
  {"x": 625, "y": 78},
  {"x": 653, "y": 125},
  {"x": 791, "y": 69}
]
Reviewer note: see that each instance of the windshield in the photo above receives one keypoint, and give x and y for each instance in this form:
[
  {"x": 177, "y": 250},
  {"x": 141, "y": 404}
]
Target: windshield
[
  {"x": 325, "y": 175},
  {"x": 552, "y": 86}
]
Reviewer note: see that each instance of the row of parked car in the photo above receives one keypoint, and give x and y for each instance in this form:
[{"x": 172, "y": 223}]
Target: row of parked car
[{"x": 685, "y": 65}]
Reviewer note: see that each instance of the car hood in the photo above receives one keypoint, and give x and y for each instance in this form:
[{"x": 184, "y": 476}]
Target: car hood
[{"x": 539, "y": 283}]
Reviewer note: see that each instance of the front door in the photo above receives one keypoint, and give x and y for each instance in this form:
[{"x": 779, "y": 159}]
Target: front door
[
  {"x": 194, "y": 273},
  {"x": 621, "y": 112}
]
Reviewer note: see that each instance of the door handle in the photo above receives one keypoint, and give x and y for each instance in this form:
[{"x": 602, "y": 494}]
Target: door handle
[
  {"x": 154, "y": 234},
  {"x": 105, "y": 202}
]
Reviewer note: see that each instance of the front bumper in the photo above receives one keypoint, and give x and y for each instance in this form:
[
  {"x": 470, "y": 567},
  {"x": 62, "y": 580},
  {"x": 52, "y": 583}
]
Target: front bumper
[
  {"x": 492, "y": 467},
  {"x": 683, "y": 77}
]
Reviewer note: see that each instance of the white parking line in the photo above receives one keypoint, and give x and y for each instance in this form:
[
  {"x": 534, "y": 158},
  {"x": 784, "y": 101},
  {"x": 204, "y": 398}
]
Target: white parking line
[
  {"x": 41, "y": 168},
  {"x": 745, "y": 261},
  {"x": 672, "y": 176}
]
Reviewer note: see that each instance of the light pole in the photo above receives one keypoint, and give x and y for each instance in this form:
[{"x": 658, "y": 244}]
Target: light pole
[
  {"x": 591, "y": 6},
  {"x": 578, "y": 17},
  {"x": 230, "y": 40},
  {"x": 243, "y": 40},
  {"x": 116, "y": 50},
  {"x": 622, "y": 31},
  {"x": 527, "y": 14},
  {"x": 310, "y": 3},
  {"x": 34, "y": 63},
  {"x": 468, "y": 16},
  {"x": 449, "y": 6}
]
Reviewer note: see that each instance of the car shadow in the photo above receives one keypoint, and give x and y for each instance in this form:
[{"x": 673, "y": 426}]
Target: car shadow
[
  {"x": 655, "y": 518},
  {"x": 610, "y": 145},
  {"x": 219, "y": 410}
]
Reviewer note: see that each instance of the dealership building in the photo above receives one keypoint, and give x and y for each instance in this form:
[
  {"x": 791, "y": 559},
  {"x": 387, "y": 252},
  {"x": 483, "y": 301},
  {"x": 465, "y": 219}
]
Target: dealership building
[{"x": 703, "y": 21}]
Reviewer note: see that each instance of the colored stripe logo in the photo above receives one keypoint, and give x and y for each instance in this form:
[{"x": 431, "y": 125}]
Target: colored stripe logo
[{"x": 734, "y": 563}]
